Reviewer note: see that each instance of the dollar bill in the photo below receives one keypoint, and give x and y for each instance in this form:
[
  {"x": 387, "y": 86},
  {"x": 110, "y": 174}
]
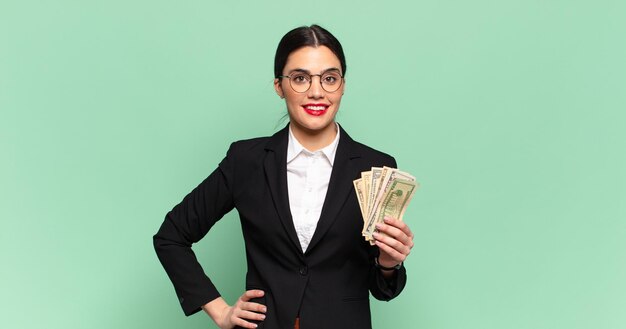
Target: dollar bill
[
  {"x": 393, "y": 204},
  {"x": 373, "y": 189},
  {"x": 389, "y": 175},
  {"x": 358, "y": 187},
  {"x": 385, "y": 192},
  {"x": 366, "y": 176}
]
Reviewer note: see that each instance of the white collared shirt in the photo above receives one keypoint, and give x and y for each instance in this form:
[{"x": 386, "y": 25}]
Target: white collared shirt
[{"x": 308, "y": 174}]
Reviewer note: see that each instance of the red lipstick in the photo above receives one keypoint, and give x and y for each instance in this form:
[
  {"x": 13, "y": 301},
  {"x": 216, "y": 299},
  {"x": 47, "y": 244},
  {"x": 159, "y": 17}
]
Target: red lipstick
[{"x": 315, "y": 109}]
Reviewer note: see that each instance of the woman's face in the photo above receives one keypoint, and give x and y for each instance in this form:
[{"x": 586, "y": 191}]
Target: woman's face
[{"x": 313, "y": 111}]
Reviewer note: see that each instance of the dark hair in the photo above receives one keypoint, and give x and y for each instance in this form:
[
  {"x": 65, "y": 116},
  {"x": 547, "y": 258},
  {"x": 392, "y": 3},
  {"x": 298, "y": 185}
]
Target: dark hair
[{"x": 312, "y": 36}]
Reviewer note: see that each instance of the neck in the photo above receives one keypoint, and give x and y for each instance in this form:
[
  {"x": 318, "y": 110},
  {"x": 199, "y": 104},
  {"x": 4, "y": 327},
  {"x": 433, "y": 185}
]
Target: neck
[{"x": 315, "y": 140}]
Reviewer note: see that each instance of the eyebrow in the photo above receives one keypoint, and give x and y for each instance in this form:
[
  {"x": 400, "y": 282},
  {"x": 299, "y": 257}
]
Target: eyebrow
[{"x": 309, "y": 72}]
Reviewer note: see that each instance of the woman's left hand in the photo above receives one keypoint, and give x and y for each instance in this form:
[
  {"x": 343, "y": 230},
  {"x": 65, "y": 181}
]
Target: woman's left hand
[{"x": 395, "y": 245}]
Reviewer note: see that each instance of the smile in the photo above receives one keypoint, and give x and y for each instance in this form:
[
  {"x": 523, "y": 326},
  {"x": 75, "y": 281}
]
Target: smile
[{"x": 315, "y": 109}]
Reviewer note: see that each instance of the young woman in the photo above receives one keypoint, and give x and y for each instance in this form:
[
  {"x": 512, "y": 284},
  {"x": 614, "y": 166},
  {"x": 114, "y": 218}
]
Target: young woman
[{"x": 308, "y": 265}]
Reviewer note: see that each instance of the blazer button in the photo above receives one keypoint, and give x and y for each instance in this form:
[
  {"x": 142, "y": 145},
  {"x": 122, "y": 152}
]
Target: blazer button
[{"x": 304, "y": 270}]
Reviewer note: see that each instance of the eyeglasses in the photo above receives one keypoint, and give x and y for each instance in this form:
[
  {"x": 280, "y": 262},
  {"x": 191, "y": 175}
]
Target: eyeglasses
[{"x": 300, "y": 82}]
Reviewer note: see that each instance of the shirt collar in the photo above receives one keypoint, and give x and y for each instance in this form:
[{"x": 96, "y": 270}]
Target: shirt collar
[{"x": 294, "y": 148}]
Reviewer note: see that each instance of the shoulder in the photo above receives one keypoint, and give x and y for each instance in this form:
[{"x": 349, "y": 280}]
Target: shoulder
[
  {"x": 244, "y": 157},
  {"x": 375, "y": 157},
  {"x": 359, "y": 149},
  {"x": 370, "y": 155},
  {"x": 245, "y": 146},
  {"x": 247, "y": 153},
  {"x": 260, "y": 145},
  {"x": 371, "y": 152}
]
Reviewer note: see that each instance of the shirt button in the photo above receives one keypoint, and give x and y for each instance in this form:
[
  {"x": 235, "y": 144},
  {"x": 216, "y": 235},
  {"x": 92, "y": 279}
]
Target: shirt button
[{"x": 304, "y": 270}]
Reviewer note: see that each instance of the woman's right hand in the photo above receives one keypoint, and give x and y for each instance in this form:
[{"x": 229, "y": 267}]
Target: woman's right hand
[{"x": 227, "y": 317}]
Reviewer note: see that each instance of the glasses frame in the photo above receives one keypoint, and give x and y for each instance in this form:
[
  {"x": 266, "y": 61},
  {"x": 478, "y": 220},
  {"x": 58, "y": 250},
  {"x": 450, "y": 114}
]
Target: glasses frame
[{"x": 311, "y": 82}]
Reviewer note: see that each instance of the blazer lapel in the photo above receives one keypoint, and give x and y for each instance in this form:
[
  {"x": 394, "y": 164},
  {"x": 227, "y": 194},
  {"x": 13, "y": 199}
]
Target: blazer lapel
[
  {"x": 339, "y": 187},
  {"x": 275, "y": 166}
]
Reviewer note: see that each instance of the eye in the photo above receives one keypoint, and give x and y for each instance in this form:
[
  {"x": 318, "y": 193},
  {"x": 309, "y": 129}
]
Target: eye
[
  {"x": 331, "y": 78},
  {"x": 300, "y": 78}
]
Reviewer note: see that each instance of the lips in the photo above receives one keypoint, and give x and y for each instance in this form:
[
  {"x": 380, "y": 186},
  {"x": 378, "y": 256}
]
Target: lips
[{"x": 315, "y": 109}]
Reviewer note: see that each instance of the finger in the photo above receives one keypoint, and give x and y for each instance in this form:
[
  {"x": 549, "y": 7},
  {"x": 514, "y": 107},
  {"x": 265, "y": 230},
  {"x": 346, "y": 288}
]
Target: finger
[
  {"x": 392, "y": 231},
  {"x": 395, "y": 233},
  {"x": 248, "y": 315},
  {"x": 393, "y": 253},
  {"x": 396, "y": 245},
  {"x": 241, "y": 316},
  {"x": 400, "y": 225},
  {"x": 242, "y": 323},
  {"x": 404, "y": 227},
  {"x": 254, "y": 293},
  {"x": 255, "y": 307}
]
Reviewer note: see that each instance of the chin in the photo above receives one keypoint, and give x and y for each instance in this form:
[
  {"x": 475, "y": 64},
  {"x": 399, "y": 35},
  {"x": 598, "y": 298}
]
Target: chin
[{"x": 320, "y": 127}]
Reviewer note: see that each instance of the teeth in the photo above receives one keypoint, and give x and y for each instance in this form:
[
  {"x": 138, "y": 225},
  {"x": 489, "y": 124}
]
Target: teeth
[{"x": 316, "y": 108}]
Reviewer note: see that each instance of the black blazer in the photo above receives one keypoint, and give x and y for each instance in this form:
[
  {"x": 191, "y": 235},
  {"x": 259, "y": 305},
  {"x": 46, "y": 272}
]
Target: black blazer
[{"x": 326, "y": 286}]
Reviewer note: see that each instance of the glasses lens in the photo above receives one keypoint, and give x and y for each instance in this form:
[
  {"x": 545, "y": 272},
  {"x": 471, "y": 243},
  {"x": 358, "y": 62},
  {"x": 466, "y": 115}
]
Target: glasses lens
[
  {"x": 331, "y": 81},
  {"x": 300, "y": 82}
]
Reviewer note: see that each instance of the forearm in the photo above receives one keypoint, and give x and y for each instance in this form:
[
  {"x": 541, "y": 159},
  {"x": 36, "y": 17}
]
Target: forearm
[
  {"x": 193, "y": 287},
  {"x": 187, "y": 223},
  {"x": 216, "y": 309}
]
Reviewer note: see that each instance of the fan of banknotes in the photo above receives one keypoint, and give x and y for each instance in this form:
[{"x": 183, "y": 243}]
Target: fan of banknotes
[{"x": 383, "y": 192}]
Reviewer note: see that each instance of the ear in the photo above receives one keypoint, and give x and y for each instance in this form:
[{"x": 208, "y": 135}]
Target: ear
[{"x": 278, "y": 88}]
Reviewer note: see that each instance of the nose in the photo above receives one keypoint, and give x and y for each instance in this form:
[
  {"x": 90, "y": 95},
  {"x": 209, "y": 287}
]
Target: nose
[{"x": 316, "y": 90}]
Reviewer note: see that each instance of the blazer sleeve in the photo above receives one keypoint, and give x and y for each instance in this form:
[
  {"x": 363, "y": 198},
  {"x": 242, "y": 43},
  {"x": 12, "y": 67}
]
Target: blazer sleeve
[
  {"x": 187, "y": 223},
  {"x": 387, "y": 289},
  {"x": 381, "y": 287}
]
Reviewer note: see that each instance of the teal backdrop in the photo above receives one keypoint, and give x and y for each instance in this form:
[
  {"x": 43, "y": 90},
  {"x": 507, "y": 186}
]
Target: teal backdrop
[{"x": 511, "y": 114}]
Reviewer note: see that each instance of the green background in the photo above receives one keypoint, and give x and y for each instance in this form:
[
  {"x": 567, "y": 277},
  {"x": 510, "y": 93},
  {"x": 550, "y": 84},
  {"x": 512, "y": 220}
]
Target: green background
[{"x": 511, "y": 114}]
